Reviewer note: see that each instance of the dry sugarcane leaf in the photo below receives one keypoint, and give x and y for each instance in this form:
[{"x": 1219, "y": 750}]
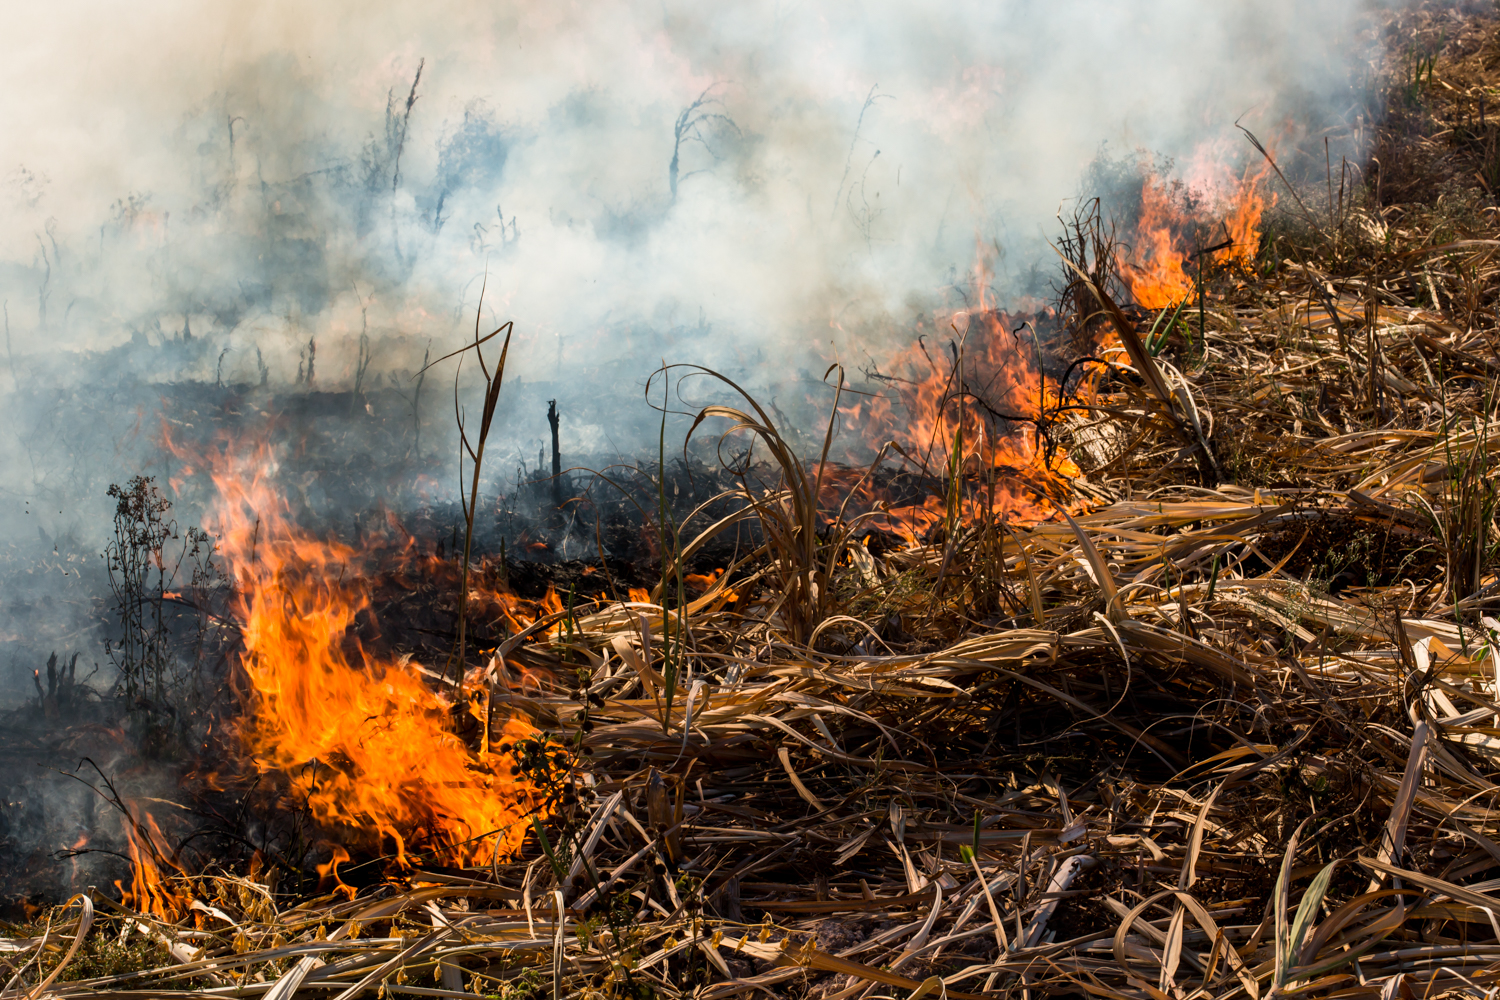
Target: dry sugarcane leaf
[
  {"x": 809, "y": 957},
  {"x": 1099, "y": 569},
  {"x": 1393, "y": 838}
]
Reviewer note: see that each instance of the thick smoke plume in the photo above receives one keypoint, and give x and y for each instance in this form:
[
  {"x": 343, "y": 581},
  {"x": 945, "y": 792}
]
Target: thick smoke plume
[
  {"x": 631, "y": 174},
  {"x": 280, "y": 194}
]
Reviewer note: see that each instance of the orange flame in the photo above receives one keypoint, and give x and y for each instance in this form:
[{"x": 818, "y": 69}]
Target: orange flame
[
  {"x": 980, "y": 416},
  {"x": 152, "y": 892},
  {"x": 1156, "y": 273},
  {"x": 330, "y": 871},
  {"x": 1228, "y": 209},
  {"x": 365, "y": 744}
]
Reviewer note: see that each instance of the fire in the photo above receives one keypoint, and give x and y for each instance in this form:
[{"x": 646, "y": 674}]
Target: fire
[
  {"x": 1156, "y": 273},
  {"x": 489, "y": 596},
  {"x": 155, "y": 875},
  {"x": 1159, "y": 269},
  {"x": 366, "y": 744},
  {"x": 982, "y": 415},
  {"x": 329, "y": 871}
]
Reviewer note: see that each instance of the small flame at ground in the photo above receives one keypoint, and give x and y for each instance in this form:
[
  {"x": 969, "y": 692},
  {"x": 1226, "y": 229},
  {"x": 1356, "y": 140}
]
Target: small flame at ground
[
  {"x": 154, "y": 873},
  {"x": 982, "y": 415}
]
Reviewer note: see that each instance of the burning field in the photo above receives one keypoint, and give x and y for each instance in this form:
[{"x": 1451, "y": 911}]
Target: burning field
[{"x": 1131, "y": 636}]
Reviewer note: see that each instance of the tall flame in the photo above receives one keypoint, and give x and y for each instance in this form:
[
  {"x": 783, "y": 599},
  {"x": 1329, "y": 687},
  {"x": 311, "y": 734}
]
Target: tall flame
[
  {"x": 1156, "y": 271},
  {"x": 366, "y": 744}
]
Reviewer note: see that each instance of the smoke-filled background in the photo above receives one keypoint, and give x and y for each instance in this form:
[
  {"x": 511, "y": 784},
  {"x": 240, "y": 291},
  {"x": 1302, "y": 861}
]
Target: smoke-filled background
[{"x": 288, "y": 197}]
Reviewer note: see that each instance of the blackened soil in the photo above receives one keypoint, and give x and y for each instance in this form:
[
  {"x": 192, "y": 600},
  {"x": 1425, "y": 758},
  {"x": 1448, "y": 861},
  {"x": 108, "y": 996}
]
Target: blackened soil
[
  {"x": 58, "y": 835},
  {"x": 1339, "y": 549}
]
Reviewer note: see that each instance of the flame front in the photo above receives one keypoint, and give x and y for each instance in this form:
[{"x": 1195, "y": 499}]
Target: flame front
[
  {"x": 982, "y": 417},
  {"x": 365, "y": 744},
  {"x": 1158, "y": 266}
]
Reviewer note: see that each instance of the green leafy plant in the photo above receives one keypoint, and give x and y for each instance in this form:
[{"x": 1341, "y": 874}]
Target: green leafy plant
[{"x": 1418, "y": 66}]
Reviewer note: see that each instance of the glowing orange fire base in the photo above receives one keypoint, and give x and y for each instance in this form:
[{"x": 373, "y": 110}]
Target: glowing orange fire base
[
  {"x": 365, "y": 744},
  {"x": 981, "y": 420}
]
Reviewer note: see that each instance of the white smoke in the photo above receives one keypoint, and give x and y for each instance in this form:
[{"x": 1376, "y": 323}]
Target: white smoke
[
  {"x": 232, "y": 166},
  {"x": 198, "y": 191}
]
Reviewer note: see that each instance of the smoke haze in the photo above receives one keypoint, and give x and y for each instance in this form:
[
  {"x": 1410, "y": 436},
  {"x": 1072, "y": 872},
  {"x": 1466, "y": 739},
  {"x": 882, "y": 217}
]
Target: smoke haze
[
  {"x": 253, "y": 169},
  {"x": 197, "y": 192}
]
